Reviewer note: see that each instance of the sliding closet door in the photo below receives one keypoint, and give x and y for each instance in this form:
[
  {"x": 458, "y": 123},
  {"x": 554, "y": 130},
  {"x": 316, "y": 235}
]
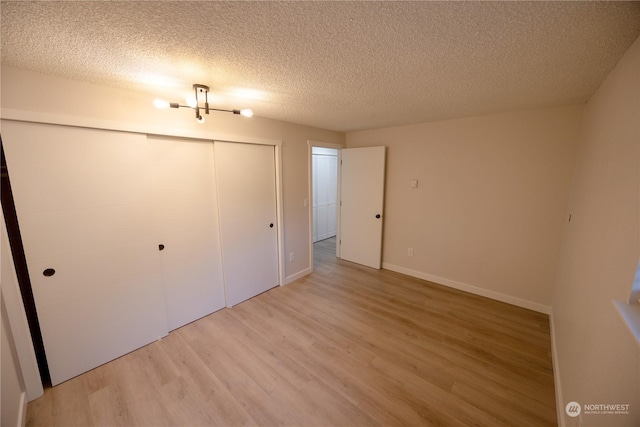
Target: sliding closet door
[
  {"x": 186, "y": 214},
  {"x": 84, "y": 200},
  {"x": 247, "y": 198}
]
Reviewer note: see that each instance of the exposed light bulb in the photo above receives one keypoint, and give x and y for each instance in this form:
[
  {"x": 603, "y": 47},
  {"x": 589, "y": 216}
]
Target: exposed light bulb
[
  {"x": 160, "y": 103},
  {"x": 192, "y": 101},
  {"x": 246, "y": 112}
]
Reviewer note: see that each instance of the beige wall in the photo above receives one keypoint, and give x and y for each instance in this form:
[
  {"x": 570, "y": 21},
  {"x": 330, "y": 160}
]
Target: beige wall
[
  {"x": 44, "y": 97},
  {"x": 13, "y": 390},
  {"x": 488, "y": 212},
  {"x": 14, "y": 380},
  {"x": 597, "y": 358}
]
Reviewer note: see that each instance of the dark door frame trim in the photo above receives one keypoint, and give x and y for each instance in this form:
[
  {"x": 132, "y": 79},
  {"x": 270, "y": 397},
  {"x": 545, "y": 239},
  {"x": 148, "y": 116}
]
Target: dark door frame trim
[{"x": 22, "y": 273}]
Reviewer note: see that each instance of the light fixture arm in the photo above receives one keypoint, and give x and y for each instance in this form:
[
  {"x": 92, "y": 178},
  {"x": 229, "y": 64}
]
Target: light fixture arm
[{"x": 177, "y": 105}]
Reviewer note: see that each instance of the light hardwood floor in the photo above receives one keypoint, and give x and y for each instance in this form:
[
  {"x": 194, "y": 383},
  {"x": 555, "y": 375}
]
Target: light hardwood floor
[{"x": 344, "y": 346}]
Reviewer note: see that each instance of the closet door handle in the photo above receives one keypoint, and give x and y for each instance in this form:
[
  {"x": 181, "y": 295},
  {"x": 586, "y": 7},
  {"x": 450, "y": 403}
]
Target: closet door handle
[
  {"x": 271, "y": 225},
  {"x": 48, "y": 272}
]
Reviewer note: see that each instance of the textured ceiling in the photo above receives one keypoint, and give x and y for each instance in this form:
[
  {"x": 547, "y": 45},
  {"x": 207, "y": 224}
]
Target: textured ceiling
[{"x": 336, "y": 65}]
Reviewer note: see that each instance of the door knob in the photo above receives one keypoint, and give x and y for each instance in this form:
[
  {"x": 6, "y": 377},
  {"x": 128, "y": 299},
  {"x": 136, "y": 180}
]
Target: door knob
[{"x": 378, "y": 216}]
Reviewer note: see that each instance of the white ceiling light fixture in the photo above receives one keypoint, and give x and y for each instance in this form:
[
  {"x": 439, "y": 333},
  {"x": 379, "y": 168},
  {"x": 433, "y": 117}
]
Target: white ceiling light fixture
[{"x": 194, "y": 102}]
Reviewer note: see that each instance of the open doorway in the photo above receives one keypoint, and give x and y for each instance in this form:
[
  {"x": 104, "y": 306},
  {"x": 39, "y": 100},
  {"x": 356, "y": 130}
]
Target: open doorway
[
  {"x": 324, "y": 160},
  {"x": 359, "y": 201}
]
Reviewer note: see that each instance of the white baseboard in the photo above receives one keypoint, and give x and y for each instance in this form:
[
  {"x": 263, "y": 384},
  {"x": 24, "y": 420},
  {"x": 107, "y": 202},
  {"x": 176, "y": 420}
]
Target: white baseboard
[
  {"x": 297, "y": 275},
  {"x": 541, "y": 308},
  {"x": 556, "y": 373},
  {"x": 22, "y": 418}
]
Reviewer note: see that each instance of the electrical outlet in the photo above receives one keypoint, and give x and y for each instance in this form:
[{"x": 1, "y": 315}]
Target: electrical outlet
[
  {"x": 292, "y": 256},
  {"x": 410, "y": 251}
]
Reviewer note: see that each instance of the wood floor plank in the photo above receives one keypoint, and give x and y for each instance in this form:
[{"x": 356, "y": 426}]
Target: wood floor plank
[
  {"x": 109, "y": 407},
  {"x": 70, "y": 404},
  {"x": 206, "y": 389},
  {"x": 40, "y": 411},
  {"x": 140, "y": 389},
  {"x": 344, "y": 346},
  {"x": 504, "y": 406}
]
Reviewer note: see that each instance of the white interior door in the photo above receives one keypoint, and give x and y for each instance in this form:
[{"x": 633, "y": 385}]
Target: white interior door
[
  {"x": 186, "y": 215},
  {"x": 362, "y": 202},
  {"x": 84, "y": 201},
  {"x": 245, "y": 175}
]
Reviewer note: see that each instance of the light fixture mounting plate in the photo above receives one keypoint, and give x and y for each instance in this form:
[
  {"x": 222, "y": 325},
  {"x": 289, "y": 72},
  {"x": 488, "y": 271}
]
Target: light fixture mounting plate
[{"x": 197, "y": 86}]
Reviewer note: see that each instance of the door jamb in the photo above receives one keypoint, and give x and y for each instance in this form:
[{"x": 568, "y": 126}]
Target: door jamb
[{"x": 279, "y": 213}]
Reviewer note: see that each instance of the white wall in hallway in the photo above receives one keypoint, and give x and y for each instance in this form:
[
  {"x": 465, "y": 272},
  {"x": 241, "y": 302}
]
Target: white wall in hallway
[{"x": 325, "y": 192}]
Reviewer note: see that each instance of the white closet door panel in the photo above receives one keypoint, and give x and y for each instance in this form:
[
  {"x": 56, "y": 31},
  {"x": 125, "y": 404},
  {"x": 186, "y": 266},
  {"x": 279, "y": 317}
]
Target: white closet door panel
[
  {"x": 314, "y": 179},
  {"x": 104, "y": 344},
  {"x": 37, "y": 188},
  {"x": 323, "y": 226},
  {"x": 120, "y": 183},
  {"x": 51, "y": 234},
  {"x": 192, "y": 302},
  {"x": 189, "y": 250},
  {"x": 332, "y": 216},
  {"x": 186, "y": 214},
  {"x": 105, "y": 298},
  {"x": 247, "y": 197},
  {"x": 96, "y": 308},
  {"x": 180, "y": 151},
  {"x": 184, "y": 218},
  {"x": 193, "y": 277},
  {"x": 84, "y": 272},
  {"x": 188, "y": 163},
  {"x": 315, "y": 224},
  {"x": 332, "y": 196},
  {"x": 322, "y": 180},
  {"x": 185, "y": 182},
  {"x": 113, "y": 148},
  {"x": 332, "y": 180},
  {"x": 56, "y": 187},
  {"x": 314, "y": 195},
  {"x": 47, "y": 144}
]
